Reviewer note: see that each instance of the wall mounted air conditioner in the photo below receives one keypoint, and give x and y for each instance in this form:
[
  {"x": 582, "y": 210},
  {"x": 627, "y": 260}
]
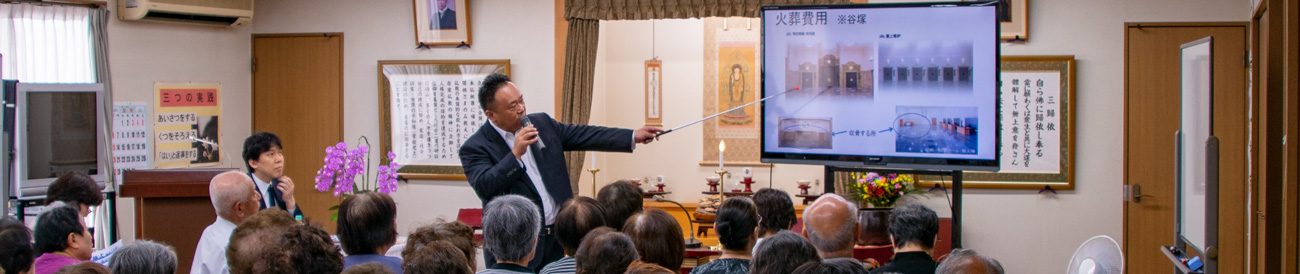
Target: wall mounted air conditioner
[{"x": 207, "y": 12}]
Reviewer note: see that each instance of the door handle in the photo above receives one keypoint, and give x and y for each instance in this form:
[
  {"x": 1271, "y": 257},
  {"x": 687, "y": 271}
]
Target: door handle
[{"x": 1133, "y": 193}]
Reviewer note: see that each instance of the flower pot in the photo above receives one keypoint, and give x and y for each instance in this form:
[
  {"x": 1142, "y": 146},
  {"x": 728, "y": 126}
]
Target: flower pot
[{"x": 874, "y": 224}]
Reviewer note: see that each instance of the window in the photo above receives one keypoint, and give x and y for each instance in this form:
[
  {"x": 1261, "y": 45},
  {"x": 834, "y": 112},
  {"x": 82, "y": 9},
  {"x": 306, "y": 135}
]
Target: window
[{"x": 46, "y": 43}]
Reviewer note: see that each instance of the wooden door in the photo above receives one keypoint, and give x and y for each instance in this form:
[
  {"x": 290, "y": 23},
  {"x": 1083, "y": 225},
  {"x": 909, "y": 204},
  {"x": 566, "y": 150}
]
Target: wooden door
[
  {"x": 298, "y": 95},
  {"x": 1151, "y": 115}
]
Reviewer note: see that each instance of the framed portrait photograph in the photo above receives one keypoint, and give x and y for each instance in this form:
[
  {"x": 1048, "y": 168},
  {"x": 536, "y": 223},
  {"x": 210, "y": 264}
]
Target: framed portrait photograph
[{"x": 441, "y": 22}]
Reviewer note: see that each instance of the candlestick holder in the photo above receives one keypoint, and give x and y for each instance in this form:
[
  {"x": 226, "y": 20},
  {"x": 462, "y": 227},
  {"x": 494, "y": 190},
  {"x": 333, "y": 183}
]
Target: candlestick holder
[
  {"x": 722, "y": 175},
  {"x": 593, "y": 180}
]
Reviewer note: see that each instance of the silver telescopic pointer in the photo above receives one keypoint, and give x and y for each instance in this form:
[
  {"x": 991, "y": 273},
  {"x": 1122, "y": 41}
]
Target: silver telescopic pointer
[{"x": 729, "y": 110}]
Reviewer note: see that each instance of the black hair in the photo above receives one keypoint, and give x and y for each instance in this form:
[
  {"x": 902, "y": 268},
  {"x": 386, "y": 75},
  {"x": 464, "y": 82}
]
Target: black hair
[
  {"x": 658, "y": 238},
  {"x": 257, "y": 144},
  {"x": 913, "y": 223},
  {"x": 782, "y": 253},
  {"x": 487, "y": 93},
  {"x": 53, "y": 227},
  {"x": 309, "y": 249},
  {"x": 577, "y": 217},
  {"x": 75, "y": 187},
  {"x": 735, "y": 223},
  {"x": 831, "y": 266},
  {"x": 620, "y": 200},
  {"x": 366, "y": 222},
  {"x": 16, "y": 253},
  {"x": 776, "y": 210},
  {"x": 604, "y": 251}
]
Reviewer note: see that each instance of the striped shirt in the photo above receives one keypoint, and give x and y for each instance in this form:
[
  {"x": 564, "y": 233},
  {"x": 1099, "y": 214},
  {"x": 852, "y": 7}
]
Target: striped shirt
[{"x": 563, "y": 266}]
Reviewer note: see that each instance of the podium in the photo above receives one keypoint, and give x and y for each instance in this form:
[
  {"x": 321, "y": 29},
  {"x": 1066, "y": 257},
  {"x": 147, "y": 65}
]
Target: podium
[{"x": 171, "y": 206}]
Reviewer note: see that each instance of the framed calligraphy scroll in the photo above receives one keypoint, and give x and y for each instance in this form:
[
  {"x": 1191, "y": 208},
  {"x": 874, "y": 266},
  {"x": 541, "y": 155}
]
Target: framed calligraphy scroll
[
  {"x": 428, "y": 109},
  {"x": 1036, "y": 123}
]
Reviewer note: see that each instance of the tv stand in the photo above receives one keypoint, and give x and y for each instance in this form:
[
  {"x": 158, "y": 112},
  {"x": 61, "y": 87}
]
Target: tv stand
[{"x": 956, "y": 189}]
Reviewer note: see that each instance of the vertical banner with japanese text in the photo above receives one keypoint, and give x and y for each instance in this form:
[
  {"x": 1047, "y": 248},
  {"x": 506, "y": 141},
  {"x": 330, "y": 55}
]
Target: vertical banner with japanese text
[{"x": 182, "y": 111}]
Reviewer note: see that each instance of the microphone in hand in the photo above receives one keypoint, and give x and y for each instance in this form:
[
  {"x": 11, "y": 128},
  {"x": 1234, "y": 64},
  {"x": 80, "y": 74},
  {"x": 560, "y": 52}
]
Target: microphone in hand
[{"x": 527, "y": 123}]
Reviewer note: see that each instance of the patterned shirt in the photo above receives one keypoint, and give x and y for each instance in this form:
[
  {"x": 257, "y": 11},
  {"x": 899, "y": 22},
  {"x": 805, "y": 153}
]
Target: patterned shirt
[
  {"x": 723, "y": 266},
  {"x": 563, "y": 266}
]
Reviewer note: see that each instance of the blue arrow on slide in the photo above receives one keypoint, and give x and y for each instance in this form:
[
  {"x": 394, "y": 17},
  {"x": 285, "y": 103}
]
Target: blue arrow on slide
[
  {"x": 888, "y": 130},
  {"x": 838, "y": 133}
]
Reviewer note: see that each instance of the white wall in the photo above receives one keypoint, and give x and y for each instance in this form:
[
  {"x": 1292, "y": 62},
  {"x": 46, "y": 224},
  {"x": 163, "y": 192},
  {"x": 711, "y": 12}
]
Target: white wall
[
  {"x": 141, "y": 53},
  {"x": 522, "y": 31},
  {"x": 1028, "y": 232}
]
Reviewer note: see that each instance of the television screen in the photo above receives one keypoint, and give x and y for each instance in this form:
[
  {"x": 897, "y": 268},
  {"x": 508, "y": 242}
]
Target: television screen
[
  {"x": 895, "y": 85},
  {"x": 59, "y": 129}
]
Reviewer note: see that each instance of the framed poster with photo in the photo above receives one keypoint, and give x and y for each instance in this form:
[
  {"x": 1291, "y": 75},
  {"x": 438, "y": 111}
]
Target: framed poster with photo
[
  {"x": 428, "y": 109},
  {"x": 441, "y": 22},
  {"x": 1036, "y": 124}
]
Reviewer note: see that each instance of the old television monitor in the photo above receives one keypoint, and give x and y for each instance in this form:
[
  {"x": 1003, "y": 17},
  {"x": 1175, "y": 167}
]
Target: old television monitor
[
  {"x": 59, "y": 128},
  {"x": 882, "y": 85}
]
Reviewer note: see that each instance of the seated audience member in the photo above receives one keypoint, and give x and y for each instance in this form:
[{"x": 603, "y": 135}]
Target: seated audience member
[
  {"x": 776, "y": 212},
  {"x": 831, "y": 224},
  {"x": 658, "y": 238},
  {"x": 309, "y": 249},
  {"x": 144, "y": 257},
  {"x": 735, "y": 223},
  {"x": 604, "y": 250},
  {"x": 264, "y": 158},
  {"x": 510, "y": 227},
  {"x": 648, "y": 268},
  {"x": 620, "y": 200},
  {"x": 576, "y": 217},
  {"x": 833, "y": 266},
  {"x": 967, "y": 261},
  {"x": 367, "y": 227},
  {"x": 438, "y": 257},
  {"x": 782, "y": 253},
  {"x": 61, "y": 239},
  {"x": 77, "y": 189},
  {"x": 913, "y": 228},
  {"x": 368, "y": 268},
  {"x": 455, "y": 233},
  {"x": 234, "y": 198},
  {"x": 16, "y": 251},
  {"x": 84, "y": 268},
  {"x": 254, "y": 244}
]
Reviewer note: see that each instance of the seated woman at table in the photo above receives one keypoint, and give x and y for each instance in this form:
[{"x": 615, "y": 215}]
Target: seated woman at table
[{"x": 735, "y": 223}]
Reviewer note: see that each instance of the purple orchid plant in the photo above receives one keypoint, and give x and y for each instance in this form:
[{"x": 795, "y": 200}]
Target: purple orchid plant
[{"x": 342, "y": 166}]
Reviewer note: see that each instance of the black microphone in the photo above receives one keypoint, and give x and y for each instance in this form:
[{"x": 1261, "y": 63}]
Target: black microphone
[
  {"x": 692, "y": 242},
  {"x": 526, "y": 122}
]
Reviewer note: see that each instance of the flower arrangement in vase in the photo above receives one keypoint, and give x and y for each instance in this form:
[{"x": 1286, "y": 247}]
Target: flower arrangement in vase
[
  {"x": 882, "y": 191},
  {"x": 343, "y": 165}
]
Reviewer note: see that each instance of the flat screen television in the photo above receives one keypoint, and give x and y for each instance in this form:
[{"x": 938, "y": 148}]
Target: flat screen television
[
  {"x": 882, "y": 85},
  {"x": 58, "y": 129}
]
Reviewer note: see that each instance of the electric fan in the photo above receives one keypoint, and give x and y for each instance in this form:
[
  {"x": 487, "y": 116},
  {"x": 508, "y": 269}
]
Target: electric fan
[{"x": 1098, "y": 255}]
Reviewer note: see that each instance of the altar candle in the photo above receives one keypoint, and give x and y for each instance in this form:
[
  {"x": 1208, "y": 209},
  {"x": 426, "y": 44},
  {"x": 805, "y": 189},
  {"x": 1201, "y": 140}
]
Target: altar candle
[
  {"x": 722, "y": 147},
  {"x": 592, "y": 155}
]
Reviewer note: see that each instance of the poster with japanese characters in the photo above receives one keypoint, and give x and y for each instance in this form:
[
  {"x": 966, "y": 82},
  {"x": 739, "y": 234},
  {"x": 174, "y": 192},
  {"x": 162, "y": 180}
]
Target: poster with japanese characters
[
  {"x": 1035, "y": 123},
  {"x": 429, "y": 109},
  {"x": 185, "y": 126},
  {"x": 130, "y": 137}
]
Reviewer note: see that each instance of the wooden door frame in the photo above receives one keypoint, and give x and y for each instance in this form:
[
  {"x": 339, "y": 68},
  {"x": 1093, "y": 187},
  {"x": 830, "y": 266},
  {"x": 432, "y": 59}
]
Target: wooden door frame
[
  {"x": 1276, "y": 249},
  {"x": 342, "y": 67},
  {"x": 1233, "y": 203}
]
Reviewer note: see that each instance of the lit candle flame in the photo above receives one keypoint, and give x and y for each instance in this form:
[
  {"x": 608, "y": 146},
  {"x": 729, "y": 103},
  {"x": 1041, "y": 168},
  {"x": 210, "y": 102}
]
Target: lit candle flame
[{"x": 722, "y": 146}]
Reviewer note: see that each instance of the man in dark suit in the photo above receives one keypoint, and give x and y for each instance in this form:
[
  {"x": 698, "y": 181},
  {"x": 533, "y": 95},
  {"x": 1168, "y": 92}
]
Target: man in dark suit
[
  {"x": 502, "y": 158},
  {"x": 445, "y": 16},
  {"x": 265, "y": 161}
]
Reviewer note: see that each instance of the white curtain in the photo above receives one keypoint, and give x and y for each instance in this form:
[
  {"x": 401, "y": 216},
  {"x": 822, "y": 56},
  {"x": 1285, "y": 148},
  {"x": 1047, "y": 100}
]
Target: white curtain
[{"x": 47, "y": 43}]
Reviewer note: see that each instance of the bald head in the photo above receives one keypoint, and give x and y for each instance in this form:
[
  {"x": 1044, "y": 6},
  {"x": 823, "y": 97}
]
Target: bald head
[
  {"x": 234, "y": 196},
  {"x": 831, "y": 224}
]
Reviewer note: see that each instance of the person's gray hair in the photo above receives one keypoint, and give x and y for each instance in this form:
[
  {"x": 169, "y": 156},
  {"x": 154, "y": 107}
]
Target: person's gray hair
[
  {"x": 228, "y": 188},
  {"x": 843, "y": 235},
  {"x": 144, "y": 257},
  {"x": 510, "y": 227},
  {"x": 967, "y": 261}
]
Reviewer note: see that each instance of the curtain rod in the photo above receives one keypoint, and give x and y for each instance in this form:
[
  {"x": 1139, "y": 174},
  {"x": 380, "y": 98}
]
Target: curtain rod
[{"x": 77, "y": 3}]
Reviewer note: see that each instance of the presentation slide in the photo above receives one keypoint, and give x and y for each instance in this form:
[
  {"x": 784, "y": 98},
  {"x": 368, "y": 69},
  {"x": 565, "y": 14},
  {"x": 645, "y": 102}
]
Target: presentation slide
[{"x": 915, "y": 82}]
